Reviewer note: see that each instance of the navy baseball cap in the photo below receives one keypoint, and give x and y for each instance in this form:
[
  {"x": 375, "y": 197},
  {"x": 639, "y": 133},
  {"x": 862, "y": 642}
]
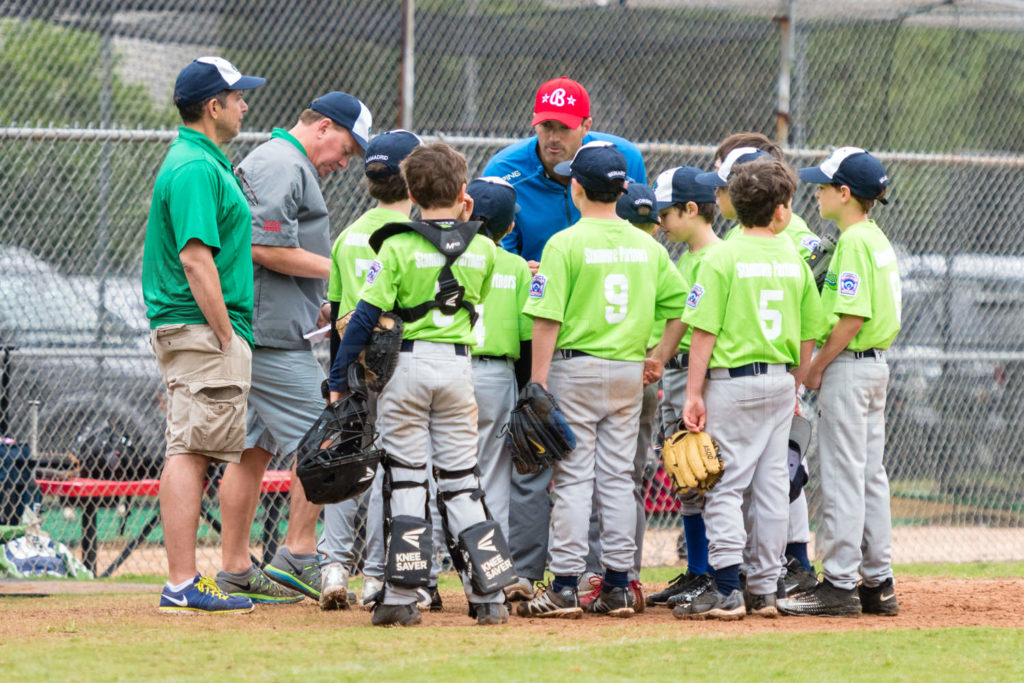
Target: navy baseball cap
[
  {"x": 389, "y": 149},
  {"x": 494, "y": 199},
  {"x": 853, "y": 167},
  {"x": 637, "y": 205},
  {"x": 598, "y": 166},
  {"x": 207, "y": 76},
  {"x": 679, "y": 185},
  {"x": 740, "y": 155},
  {"x": 346, "y": 111}
]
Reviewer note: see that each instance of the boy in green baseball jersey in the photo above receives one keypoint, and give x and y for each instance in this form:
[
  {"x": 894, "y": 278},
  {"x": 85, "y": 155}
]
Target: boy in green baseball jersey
[
  {"x": 601, "y": 285},
  {"x": 432, "y": 274},
  {"x": 755, "y": 313},
  {"x": 501, "y": 329},
  {"x": 861, "y": 301},
  {"x": 687, "y": 211}
]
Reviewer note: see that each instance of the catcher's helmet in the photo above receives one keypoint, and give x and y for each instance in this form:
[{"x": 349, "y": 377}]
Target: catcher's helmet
[{"x": 335, "y": 458}]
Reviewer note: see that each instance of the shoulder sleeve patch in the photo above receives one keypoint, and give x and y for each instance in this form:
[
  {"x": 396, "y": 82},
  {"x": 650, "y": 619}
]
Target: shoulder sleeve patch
[
  {"x": 810, "y": 242},
  {"x": 537, "y": 286},
  {"x": 373, "y": 271},
  {"x": 849, "y": 282},
  {"x": 695, "y": 296}
]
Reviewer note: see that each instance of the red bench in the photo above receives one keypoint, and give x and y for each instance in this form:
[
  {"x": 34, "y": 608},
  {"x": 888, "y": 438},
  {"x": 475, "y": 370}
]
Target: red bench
[{"x": 91, "y": 493}]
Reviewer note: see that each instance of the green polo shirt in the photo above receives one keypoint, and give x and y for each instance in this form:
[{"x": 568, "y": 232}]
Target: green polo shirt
[{"x": 196, "y": 196}]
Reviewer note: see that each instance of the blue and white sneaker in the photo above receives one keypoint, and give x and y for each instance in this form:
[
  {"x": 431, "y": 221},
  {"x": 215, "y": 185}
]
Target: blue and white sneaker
[{"x": 202, "y": 597}]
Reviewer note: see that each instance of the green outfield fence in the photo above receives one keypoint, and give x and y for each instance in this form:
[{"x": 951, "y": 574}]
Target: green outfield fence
[{"x": 935, "y": 89}]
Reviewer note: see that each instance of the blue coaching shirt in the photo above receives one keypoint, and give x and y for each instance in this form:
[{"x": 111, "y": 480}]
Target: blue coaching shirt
[{"x": 546, "y": 206}]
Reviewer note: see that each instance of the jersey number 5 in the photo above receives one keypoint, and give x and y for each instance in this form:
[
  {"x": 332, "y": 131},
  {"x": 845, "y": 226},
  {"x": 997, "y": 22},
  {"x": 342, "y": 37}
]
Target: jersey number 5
[
  {"x": 616, "y": 293},
  {"x": 770, "y": 318}
]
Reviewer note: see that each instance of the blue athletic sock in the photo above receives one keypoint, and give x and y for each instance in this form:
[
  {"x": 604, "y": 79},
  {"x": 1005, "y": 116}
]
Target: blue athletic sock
[
  {"x": 728, "y": 579},
  {"x": 561, "y": 582},
  {"x": 696, "y": 544},
  {"x": 614, "y": 579},
  {"x": 799, "y": 551}
]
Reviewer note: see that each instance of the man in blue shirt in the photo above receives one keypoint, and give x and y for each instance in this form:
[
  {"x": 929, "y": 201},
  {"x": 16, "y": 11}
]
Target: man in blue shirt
[{"x": 562, "y": 122}]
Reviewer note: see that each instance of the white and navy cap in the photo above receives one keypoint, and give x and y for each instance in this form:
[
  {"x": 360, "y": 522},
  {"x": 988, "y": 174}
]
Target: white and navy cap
[
  {"x": 346, "y": 111},
  {"x": 740, "y": 155},
  {"x": 389, "y": 149},
  {"x": 679, "y": 185},
  {"x": 637, "y": 205},
  {"x": 853, "y": 167},
  {"x": 494, "y": 198},
  {"x": 598, "y": 166},
  {"x": 207, "y": 76}
]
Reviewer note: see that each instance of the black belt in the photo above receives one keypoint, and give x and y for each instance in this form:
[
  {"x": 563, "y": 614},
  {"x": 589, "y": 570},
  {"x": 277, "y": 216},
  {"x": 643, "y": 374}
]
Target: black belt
[
  {"x": 460, "y": 349},
  {"x": 485, "y": 357},
  {"x": 678, "y": 362},
  {"x": 572, "y": 353},
  {"x": 748, "y": 370},
  {"x": 869, "y": 353}
]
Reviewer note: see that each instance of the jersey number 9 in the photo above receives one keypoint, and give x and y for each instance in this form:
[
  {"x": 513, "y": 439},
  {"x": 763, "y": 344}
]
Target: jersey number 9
[{"x": 616, "y": 293}]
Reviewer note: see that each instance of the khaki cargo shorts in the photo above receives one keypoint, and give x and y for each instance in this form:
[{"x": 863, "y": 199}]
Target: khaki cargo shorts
[{"x": 207, "y": 390}]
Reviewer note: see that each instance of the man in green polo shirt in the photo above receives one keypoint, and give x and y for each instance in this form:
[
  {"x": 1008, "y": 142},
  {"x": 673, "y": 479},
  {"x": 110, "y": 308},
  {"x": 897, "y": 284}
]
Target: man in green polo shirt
[{"x": 197, "y": 284}]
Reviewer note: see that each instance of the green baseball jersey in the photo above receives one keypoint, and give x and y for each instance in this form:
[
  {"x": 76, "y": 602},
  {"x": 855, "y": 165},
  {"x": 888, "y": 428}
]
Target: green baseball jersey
[
  {"x": 352, "y": 255},
  {"x": 606, "y": 282},
  {"x": 687, "y": 265},
  {"x": 405, "y": 272},
  {"x": 502, "y": 324},
  {"x": 196, "y": 196},
  {"x": 863, "y": 280},
  {"x": 758, "y": 296},
  {"x": 797, "y": 231}
]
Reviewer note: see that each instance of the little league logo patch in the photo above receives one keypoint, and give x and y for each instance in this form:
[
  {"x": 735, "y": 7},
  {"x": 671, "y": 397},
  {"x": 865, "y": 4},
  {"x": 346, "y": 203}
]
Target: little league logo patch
[
  {"x": 695, "y": 296},
  {"x": 537, "y": 286},
  {"x": 811, "y": 243},
  {"x": 848, "y": 283},
  {"x": 373, "y": 272}
]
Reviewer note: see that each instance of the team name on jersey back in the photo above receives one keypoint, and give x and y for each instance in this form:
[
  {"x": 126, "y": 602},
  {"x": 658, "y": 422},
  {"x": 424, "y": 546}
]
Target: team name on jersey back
[
  {"x": 356, "y": 239},
  {"x": 436, "y": 260},
  {"x": 501, "y": 281},
  {"x": 768, "y": 270},
  {"x": 620, "y": 255}
]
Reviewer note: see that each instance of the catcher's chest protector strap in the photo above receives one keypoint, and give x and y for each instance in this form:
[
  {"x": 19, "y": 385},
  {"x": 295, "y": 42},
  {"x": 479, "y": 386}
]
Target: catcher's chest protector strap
[
  {"x": 408, "y": 539},
  {"x": 481, "y": 551},
  {"x": 452, "y": 243}
]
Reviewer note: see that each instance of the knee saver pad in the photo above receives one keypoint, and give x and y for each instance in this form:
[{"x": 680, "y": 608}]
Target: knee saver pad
[
  {"x": 410, "y": 548},
  {"x": 487, "y": 557}
]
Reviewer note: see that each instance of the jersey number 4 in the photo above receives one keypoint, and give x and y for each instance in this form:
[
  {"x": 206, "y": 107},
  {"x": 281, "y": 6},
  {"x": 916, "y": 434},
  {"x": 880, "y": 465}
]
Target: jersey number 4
[{"x": 616, "y": 293}]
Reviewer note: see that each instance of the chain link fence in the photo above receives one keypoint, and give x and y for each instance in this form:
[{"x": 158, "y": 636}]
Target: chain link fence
[{"x": 936, "y": 89}]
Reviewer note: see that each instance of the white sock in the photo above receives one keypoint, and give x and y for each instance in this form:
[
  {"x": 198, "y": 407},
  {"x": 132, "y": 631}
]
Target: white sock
[{"x": 181, "y": 586}]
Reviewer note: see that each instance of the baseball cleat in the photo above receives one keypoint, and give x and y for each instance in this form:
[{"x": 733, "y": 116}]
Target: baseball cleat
[
  {"x": 595, "y": 582},
  {"x": 713, "y": 605},
  {"x": 679, "y": 584},
  {"x": 429, "y": 599},
  {"x": 373, "y": 588},
  {"x": 796, "y": 579},
  {"x": 258, "y": 587},
  {"x": 295, "y": 573},
  {"x": 491, "y": 614},
  {"x": 615, "y": 602},
  {"x": 202, "y": 596},
  {"x": 762, "y": 605},
  {"x": 824, "y": 600},
  {"x": 564, "y": 604},
  {"x": 396, "y": 615},
  {"x": 694, "y": 585},
  {"x": 879, "y": 600},
  {"x": 334, "y": 587},
  {"x": 520, "y": 590},
  {"x": 639, "y": 601}
]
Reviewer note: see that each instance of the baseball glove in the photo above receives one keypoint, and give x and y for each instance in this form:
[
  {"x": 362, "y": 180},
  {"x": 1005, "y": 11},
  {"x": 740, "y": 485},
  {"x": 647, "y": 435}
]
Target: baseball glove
[
  {"x": 537, "y": 432},
  {"x": 691, "y": 460},
  {"x": 380, "y": 355},
  {"x": 335, "y": 458},
  {"x": 819, "y": 260}
]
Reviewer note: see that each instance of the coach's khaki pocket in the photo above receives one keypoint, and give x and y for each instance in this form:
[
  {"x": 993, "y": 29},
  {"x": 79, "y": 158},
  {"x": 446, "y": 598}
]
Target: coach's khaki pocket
[{"x": 216, "y": 421}]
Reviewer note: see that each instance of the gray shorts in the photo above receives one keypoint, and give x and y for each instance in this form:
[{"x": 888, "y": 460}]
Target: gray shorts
[{"x": 284, "y": 399}]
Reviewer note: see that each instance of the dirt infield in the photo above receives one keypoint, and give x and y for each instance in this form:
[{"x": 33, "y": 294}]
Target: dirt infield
[{"x": 925, "y": 603}]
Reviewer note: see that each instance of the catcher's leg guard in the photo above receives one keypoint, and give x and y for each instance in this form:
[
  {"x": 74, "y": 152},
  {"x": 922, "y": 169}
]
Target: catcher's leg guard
[
  {"x": 481, "y": 551},
  {"x": 407, "y": 539}
]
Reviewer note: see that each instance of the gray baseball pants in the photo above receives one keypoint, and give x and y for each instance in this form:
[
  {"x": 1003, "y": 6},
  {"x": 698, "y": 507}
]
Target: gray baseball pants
[
  {"x": 601, "y": 400},
  {"x": 856, "y": 517},
  {"x": 750, "y": 418},
  {"x": 494, "y": 383}
]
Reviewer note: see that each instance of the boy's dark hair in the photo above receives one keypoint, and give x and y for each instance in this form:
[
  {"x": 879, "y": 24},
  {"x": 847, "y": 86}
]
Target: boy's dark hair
[
  {"x": 865, "y": 204},
  {"x": 434, "y": 174},
  {"x": 387, "y": 189},
  {"x": 605, "y": 197},
  {"x": 757, "y": 140},
  {"x": 193, "y": 112},
  {"x": 757, "y": 187},
  {"x": 705, "y": 210}
]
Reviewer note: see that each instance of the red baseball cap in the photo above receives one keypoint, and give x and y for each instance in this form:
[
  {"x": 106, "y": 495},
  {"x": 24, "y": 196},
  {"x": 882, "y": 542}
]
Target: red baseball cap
[{"x": 563, "y": 100}]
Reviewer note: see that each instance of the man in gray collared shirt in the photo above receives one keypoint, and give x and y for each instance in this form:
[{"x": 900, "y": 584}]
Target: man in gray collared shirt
[{"x": 291, "y": 264}]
